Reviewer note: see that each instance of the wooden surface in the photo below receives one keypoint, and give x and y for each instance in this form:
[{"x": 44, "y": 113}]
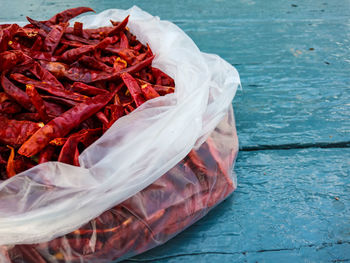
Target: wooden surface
[{"x": 292, "y": 203}]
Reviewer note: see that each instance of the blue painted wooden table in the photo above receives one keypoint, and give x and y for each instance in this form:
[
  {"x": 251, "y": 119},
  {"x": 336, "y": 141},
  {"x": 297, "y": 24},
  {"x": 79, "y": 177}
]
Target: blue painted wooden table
[{"x": 292, "y": 203}]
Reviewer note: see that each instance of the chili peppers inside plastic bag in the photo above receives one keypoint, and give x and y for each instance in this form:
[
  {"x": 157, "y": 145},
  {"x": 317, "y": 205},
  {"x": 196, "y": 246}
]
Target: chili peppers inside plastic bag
[{"x": 153, "y": 173}]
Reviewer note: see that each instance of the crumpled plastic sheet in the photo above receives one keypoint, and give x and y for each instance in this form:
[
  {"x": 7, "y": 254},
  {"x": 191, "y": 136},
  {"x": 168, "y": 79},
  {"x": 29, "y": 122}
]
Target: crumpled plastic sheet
[{"x": 166, "y": 164}]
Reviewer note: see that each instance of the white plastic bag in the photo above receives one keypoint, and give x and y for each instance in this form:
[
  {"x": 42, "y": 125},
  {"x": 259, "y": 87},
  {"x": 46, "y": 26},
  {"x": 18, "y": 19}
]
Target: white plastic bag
[{"x": 135, "y": 151}]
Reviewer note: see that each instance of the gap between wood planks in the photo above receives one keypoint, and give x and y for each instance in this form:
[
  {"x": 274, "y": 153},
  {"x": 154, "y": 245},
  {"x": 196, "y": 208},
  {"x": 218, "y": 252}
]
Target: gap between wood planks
[{"x": 345, "y": 144}]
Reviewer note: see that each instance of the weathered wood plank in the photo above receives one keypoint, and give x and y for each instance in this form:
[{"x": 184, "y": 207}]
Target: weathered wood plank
[
  {"x": 291, "y": 204},
  {"x": 291, "y": 94}
]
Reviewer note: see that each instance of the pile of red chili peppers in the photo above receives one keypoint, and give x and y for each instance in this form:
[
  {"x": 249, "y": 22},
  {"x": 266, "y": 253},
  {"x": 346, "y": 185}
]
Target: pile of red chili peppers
[{"x": 62, "y": 87}]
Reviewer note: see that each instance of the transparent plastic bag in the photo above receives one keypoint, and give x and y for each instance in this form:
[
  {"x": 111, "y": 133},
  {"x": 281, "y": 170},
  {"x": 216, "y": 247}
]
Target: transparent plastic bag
[{"x": 53, "y": 199}]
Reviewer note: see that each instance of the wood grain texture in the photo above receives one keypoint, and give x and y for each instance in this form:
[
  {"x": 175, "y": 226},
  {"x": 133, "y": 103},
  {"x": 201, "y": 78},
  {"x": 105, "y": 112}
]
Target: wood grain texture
[{"x": 294, "y": 60}]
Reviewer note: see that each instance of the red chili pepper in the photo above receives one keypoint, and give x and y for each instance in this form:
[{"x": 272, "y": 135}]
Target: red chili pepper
[
  {"x": 53, "y": 37},
  {"x": 39, "y": 24},
  {"x": 124, "y": 42},
  {"x": 48, "y": 88},
  {"x": 69, "y": 153},
  {"x": 120, "y": 27},
  {"x": 10, "y": 168},
  {"x": 93, "y": 63},
  {"x": 68, "y": 14},
  {"x": 62, "y": 125},
  {"x": 87, "y": 89},
  {"x": 133, "y": 88},
  {"x": 73, "y": 54},
  {"x": 37, "y": 102},
  {"x": 15, "y": 133}
]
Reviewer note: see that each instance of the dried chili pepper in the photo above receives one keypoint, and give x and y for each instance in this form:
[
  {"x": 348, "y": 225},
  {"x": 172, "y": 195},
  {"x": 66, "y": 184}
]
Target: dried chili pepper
[
  {"x": 68, "y": 15},
  {"x": 38, "y": 102},
  {"x": 133, "y": 88},
  {"x": 14, "y": 132},
  {"x": 62, "y": 125}
]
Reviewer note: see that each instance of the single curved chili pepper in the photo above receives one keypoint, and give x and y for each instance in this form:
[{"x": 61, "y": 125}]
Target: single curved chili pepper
[
  {"x": 10, "y": 167},
  {"x": 37, "y": 102},
  {"x": 48, "y": 88},
  {"x": 133, "y": 88},
  {"x": 73, "y": 54},
  {"x": 16, "y": 93},
  {"x": 53, "y": 37},
  {"x": 120, "y": 27},
  {"x": 87, "y": 89},
  {"x": 93, "y": 63},
  {"x": 15, "y": 133},
  {"x": 68, "y": 14},
  {"x": 39, "y": 24},
  {"x": 88, "y": 76},
  {"x": 63, "y": 124}
]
